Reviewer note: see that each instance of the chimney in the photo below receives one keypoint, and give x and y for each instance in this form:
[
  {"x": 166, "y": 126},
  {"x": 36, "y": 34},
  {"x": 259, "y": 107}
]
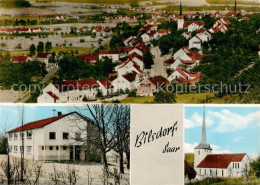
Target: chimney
[{"x": 59, "y": 113}]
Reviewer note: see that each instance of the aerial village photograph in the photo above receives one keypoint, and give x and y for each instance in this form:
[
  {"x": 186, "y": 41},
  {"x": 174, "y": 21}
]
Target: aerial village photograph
[
  {"x": 129, "y": 51},
  {"x": 86, "y": 145},
  {"x": 221, "y": 145}
]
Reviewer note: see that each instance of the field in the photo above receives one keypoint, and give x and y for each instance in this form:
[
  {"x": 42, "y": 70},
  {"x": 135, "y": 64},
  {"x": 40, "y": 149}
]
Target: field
[
  {"x": 232, "y": 2},
  {"x": 212, "y": 8},
  {"x": 95, "y": 1}
]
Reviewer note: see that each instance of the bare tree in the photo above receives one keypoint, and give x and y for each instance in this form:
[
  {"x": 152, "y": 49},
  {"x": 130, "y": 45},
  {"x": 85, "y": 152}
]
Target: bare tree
[{"x": 121, "y": 126}]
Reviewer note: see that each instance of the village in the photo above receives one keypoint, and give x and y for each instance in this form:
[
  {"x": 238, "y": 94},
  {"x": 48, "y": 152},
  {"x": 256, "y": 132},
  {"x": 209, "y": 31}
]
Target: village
[{"x": 142, "y": 63}]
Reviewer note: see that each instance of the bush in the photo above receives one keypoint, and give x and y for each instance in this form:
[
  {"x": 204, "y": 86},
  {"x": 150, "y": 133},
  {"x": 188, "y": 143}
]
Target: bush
[
  {"x": 22, "y": 3},
  {"x": 132, "y": 94}
]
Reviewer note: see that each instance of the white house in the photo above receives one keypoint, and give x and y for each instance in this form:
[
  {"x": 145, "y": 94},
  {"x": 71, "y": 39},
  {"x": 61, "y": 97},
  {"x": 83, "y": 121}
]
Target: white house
[
  {"x": 189, "y": 25},
  {"x": 185, "y": 54},
  {"x": 207, "y": 164},
  {"x": 204, "y": 35},
  {"x": 184, "y": 76},
  {"x": 135, "y": 50},
  {"x": 195, "y": 42},
  {"x": 186, "y": 35},
  {"x": 55, "y": 138},
  {"x": 112, "y": 54},
  {"x": 105, "y": 87},
  {"x": 45, "y": 58},
  {"x": 128, "y": 66},
  {"x": 69, "y": 91},
  {"x": 128, "y": 81}
]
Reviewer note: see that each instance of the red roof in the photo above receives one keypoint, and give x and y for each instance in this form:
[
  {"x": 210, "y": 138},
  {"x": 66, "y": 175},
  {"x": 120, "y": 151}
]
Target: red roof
[
  {"x": 76, "y": 84},
  {"x": 19, "y": 58},
  {"x": 112, "y": 75},
  {"x": 89, "y": 57},
  {"x": 38, "y": 124},
  {"x": 220, "y": 160},
  {"x": 106, "y": 83},
  {"x": 135, "y": 55},
  {"x": 43, "y": 55},
  {"x": 158, "y": 81},
  {"x": 108, "y": 52},
  {"x": 130, "y": 76},
  {"x": 187, "y": 23},
  {"x": 53, "y": 95},
  {"x": 23, "y": 29}
]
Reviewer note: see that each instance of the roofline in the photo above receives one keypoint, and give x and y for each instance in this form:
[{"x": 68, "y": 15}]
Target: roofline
[{"x": 74, "y": 112}]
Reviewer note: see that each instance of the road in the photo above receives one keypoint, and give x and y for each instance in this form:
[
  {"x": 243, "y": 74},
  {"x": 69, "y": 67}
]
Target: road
[
  {"x": 44, "y": 80},
  {"x": 158, "y": 68}
]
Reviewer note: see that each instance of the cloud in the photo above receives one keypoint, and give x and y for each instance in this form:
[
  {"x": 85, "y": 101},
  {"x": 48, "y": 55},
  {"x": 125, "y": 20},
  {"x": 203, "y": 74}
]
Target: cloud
[
  {"x": 237, "y": 139},
  {"x": 230, "y": 122},
  {"x": 189, "y": 148},
  {"x": 196, "y": 120},
  {"x": 217, "y": 150}
]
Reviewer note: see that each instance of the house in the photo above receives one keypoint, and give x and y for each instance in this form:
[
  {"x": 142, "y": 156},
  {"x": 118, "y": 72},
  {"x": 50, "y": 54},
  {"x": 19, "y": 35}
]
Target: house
[
  {"x": 24, "y": 30},
  {"x": 46, "y": 58},
  {"x": 92, "y": 58},
  {"x": 137, "y": 59},
  {"x": 151, "y": 85},
  {"x": 112, "y": 54},
  {"x": 184, "y": 76},
  {"x": 8, "y": 30},
  {"x": 204, "y": 35},
  {"x": 128, "y": 66},
  {"x": 174, "y": 64},
  {"x": 105, "y": 87},
  {"x": 69, "y": 91},
  {"x": 128, "y": 81},
  {"x": 56, "y": 138},
  {"x": 21, "y": 59},
  {"x": 98, "y": 31},
  {"x": 135, "y": 50},
  {"x": 189, "y": 25},
  {"x": 186, "y": 35},
  {"x": 36, "y": 30},
  {"x": 58, "y": 18},
  {"x": 220, "y": 25},
  {"x": 185, "y": 54},
  {"x": 195, "y": 42},
  {"x": 207, "y": 164},
  {"x": 147, "y": 37}
]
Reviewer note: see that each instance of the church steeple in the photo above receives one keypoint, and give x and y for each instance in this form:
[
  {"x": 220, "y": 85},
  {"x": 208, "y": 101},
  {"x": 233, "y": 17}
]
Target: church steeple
[
  {"x": 180, "y": 13},
  {"x": 203, "y": 134}
]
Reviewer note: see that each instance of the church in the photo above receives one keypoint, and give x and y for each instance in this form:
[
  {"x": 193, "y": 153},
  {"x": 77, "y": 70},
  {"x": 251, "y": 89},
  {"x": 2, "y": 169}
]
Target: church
[{"x": 207, "y": 164}]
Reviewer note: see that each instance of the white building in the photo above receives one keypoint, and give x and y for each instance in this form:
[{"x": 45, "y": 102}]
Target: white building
[
  {"x": 128, "y": 81},
  {"x": 69, "y": 91},
  {"x": 55, "y": 138},
  {"x": 189, "y": 25},
  {"x": 207, "y": 164},
  {"x": 105, "y": 87},
  {"x": 195, "y": 42},
  {"x": 112, "y": 54}
]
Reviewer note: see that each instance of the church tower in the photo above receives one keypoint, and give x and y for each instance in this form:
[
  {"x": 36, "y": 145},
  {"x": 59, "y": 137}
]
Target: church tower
[
  {"x": 203, "y": 149},
  {"x": 235, "y": 9},
  {"x": 180, "y": 22}
]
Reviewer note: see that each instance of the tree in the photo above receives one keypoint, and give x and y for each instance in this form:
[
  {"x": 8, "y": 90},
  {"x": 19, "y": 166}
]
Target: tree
[
  {"x": 121, "y": 127},
  {"x": 32, "y": 49},
  {"x": 148, "y": 60},
  {"x": 48, "y": 46},
  {"x": 116, "y": 42},
  {"x": 40, "y": 47},
  {"x": 163, "y": 96},
  {"x": 255, "y": 167}
]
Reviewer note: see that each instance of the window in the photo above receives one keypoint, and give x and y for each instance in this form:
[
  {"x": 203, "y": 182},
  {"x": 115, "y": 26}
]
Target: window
[
  {"x": 28, "y": 149},
  {"x": 52, "y": 135},
  {"x": 29, "y": 134},
  {"x": 64, "y": 148},
  {"x": 216, "y": 172},
  {"x": 15, "y": 149},
  {"x": 50, "y": 147},
  {"x": 200, "y": 171},
  {"x": 15, "y": 136},
  {"x": 57, "y": 147},
  {"x": 237, "y": 165},
  {"x": 42, "y": 147},
  {"x": 10, "y": 149},
  {"x": 77, "y": 136},
  {"x": 205, "y": 172},
  {"x": 65, "y": 135},
  {"x": 199, "y": 152},
  {"x": 10, "y": 135},
  {"x": 21, "y": 135},
  {"x": 222, "y": 173},
  {"x": 22, "y": 149}
]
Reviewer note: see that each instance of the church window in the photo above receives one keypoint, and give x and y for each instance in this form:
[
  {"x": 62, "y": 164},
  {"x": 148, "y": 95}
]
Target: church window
[
  {"x": 199, "y": 152},
  {"x": 233, "y": 165},
  {"x": 205, "y": 172},
  {"x": 200, "y": 171},
  {"x": 222, "y": 173},
  {"x": 216, "y": 172},
  {"x": 237, "y": 165}
]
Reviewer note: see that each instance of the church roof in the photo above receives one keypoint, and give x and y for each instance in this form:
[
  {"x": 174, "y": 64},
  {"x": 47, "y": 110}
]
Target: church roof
[
  {"x": 203, "y": 146},
  {"x": 220, "y": 160}
]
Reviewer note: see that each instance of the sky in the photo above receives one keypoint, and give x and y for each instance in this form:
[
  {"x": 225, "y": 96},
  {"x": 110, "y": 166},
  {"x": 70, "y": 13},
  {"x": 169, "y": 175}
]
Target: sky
[
  {"x": 228, "y": 129},
  {"x": 10, "y": 115}
]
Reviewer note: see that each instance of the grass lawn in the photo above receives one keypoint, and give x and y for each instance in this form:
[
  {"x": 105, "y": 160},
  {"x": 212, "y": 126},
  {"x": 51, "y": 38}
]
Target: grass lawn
[
  {"x": 145, "y": 99},
  {"x": 81, "y": 50},
  {"x": 189, "y": 157}
]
